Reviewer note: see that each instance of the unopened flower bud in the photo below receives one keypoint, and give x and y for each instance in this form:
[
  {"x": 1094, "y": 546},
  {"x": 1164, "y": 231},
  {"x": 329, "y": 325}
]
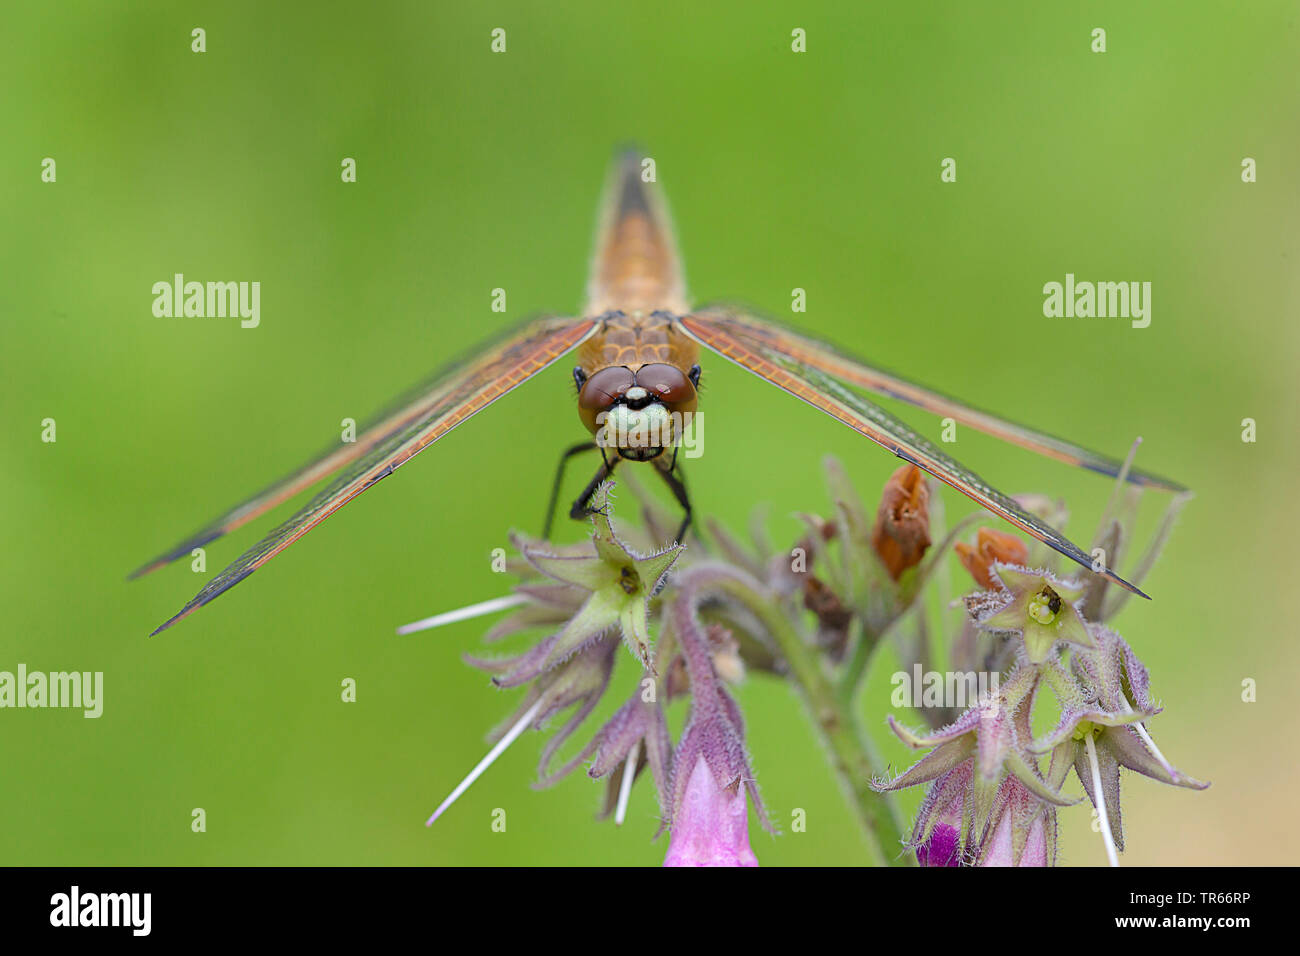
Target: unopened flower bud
[
  {"x": 990, "y": 546},
  {"x": 902, "y": 529}
]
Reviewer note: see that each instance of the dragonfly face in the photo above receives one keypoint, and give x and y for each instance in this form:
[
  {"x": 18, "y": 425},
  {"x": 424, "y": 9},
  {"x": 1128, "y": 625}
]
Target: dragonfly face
[
  {"x": 637, "y": 412},
  {"x": 638, "y": 372}
]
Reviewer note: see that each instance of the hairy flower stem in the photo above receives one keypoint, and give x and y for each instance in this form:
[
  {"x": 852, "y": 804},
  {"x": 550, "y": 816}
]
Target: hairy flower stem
[
  {"x": 830, "y": 715},
  {"x": 869, "y": 638},
  {"x": 855, "y": 670}
]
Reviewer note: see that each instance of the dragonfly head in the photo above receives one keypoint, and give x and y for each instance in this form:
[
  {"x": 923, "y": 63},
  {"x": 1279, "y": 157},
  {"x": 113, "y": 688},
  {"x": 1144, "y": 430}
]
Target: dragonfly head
[{"x": 638, "y": 413}]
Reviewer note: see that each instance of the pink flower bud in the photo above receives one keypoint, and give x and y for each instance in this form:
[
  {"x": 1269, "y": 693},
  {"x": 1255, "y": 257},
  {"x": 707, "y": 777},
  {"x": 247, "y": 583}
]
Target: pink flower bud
[{"x": 711, "y": 825}]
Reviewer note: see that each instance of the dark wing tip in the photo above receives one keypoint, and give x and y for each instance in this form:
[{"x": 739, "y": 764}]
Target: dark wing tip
[
  {"x": 144, "y": 569},
  {"x": 1164, "y": 484},
  {"x": 149, "y": 567},
  {"x": 167, "y": 623},
  {"x": 211, "y": 591},
  {"x": 179, "y": 551},
  {"x": 184, "y": 612},
  {"x": 1112, "y": 576},
  {"x": 1136, "y": 476}
]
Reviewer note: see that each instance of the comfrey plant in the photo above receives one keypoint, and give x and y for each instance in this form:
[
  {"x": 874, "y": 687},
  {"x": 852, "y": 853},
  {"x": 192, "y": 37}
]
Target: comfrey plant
[{"x": 694, "y": 622}]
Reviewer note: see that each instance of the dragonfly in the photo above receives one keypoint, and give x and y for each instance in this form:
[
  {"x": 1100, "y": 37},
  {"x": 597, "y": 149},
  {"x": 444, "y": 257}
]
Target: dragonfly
[{"x": 639, "y": 344}]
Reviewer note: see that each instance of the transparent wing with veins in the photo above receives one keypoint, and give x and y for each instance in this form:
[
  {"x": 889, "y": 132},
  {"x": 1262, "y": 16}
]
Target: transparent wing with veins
[
  {"x": 765, "y": 356},
  {"x": 425, "y": 415},
  {"x": 835, "y": 362}
]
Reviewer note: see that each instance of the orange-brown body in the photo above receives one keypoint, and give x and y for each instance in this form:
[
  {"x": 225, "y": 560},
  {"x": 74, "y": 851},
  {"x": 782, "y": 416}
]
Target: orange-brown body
[
  {"x": 636, "y": 273},
  {"x": 636, "y": 339}
]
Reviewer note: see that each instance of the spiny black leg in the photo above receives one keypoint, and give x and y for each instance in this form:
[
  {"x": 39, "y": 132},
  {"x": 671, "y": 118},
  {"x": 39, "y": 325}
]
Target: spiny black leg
[
  {"x": 581, "y": 508},
  {"x": 559, "y": 477},
  {"x": 679, "y": 492}
]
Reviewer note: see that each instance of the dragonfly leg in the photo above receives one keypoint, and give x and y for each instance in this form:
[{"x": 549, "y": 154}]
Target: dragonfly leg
[
  {"x": 559, "y": 477},
  {"x": 582, "y": 507},
  {"x": 672, "y": 477}
]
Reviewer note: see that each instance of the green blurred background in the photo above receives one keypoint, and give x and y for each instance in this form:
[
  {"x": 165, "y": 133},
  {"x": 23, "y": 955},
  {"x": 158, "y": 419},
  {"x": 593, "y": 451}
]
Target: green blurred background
[{"x": 478, "y": 171}]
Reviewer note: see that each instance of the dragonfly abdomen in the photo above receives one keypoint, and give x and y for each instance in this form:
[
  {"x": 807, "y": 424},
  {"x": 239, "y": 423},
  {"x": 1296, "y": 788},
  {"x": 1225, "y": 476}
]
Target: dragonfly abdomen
[{"x": 635, "y": 267}]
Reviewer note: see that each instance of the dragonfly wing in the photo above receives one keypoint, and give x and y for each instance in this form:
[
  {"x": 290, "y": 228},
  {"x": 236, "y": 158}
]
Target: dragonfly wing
[
  {"x": 445, "y": 401},
  {"x": 821, "y": 391},
  {"x": 834, "y": 361}
]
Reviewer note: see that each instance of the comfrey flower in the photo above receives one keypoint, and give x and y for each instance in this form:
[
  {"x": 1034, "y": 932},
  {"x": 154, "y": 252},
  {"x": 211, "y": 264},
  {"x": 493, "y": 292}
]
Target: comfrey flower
[
  {"x": 635, "y": 738},
  {"x": 1038, "y": 608},
  {"x": 942, "y": 825},
  {"x": 1101, "y": 730},
  {"x": 581, "y": 680},
  {"x": 814, "y": 616},
  {"x": 1101, "y": 686},
  {"x": 588, "y": 597},
  {"x": 712, "y": 827},
  {"x": 987, "y": 801},
  {"x": 619, "y": 583},
  {"x": 605, "y": 588},
  {"x": 1023, "y": 829},
  {"x": 711, "y": 777}
]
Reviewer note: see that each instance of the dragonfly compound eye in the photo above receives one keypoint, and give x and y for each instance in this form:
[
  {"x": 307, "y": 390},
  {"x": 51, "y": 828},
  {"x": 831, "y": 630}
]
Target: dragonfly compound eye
[
  {"x": 601, "y": 390},
  {"x": 669, "y": 385}
]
